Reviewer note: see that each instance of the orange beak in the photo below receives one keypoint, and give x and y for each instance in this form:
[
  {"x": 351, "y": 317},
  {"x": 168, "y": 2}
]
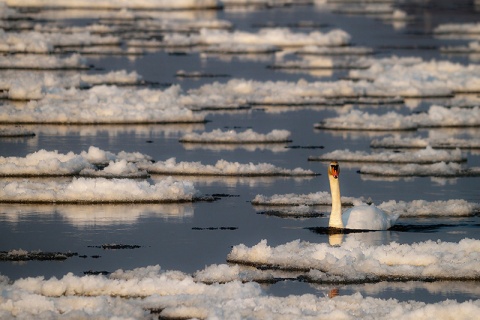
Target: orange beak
[{"x": 334, "y": 170}]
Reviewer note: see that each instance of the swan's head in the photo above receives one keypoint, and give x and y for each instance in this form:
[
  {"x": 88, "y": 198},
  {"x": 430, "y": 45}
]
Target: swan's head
[{"x": 334, "y": 169}]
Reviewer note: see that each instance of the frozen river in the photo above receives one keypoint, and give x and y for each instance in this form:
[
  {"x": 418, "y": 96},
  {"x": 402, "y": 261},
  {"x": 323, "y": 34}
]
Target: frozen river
[{"x": 402, "y": 70}]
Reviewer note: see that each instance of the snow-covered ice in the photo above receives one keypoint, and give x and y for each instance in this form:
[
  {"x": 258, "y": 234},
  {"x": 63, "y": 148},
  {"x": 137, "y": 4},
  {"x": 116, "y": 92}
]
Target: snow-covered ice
[
  {"x": 289, "y": 202},
  {"x": 37, "y": 42},
  {"x": 53, "y": 163},
  {"x": 121, "y": 4},
  {"x": 221, "y": 168},
  {"x": 232, "y": 136},
  {"x": 281, "y": 37},
  {"x": 127, "y": 294},
  {"x": 440, "y": 169},
  {"x": 102, "y": 104},
  {"x": 97, "y": 190},
  {"x": 419, "y": 142},
  {"x": 30, "y": 61},
  {"x": 354, "y": 261},
  {"x": 423, "y": 156},
  {"x": 436, "y": 116},
  {"x": 28, "y": 86},
  {"x": 310, "y": 199}
]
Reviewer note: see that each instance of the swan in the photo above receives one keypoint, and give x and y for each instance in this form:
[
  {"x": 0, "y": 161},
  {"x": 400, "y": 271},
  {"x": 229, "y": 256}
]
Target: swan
[{"x": 361, "y": 217}]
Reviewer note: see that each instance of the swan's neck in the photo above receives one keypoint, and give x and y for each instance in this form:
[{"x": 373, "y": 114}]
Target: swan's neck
[{"x": 336, "y": 214}]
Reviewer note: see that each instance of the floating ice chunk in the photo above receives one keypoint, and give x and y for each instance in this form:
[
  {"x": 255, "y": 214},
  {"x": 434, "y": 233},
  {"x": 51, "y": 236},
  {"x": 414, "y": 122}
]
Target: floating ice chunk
[
  {"x": 97, "y": 190},
  {"x": 424, "y": 156},
  {"x": 413, "y": 77},
  {"x": 334, "y": 51},
  {"x": 355, "y": 261},
  {"x": 440, "y": 169},
  {"x": 30, "y": 61},
  {"x": 52, "y": 163},
  {"x": 436, "y": 116},
  {"x": 359, "y": 120},
  {"x": 179, "y": 295},
  {"x": 118, "y": 169},
  {"x": 103, "y": 104},
  {"x": 281, "y": 37},
  {"x": 311, "y": 199},
  {"x": 98, "y": 156},
  {"x": 453, "y": 207},
  {"x": 222, "y": 168},
  {"x": 43, "y": 163},
  {"x": 120, "y": 4},
  {"x": 457, "y": 28},
  {"x": 417, "y": 142},
  {"x": 28, "y": 86},
  {"x": 231, "y": 136},
  {"x": 472, "y": 47},
  {"x": 36, "y": 42}
]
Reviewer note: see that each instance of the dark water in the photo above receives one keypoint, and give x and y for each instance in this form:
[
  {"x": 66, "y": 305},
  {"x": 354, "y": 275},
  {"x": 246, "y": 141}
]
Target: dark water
[{"x": 188, "y": 237}]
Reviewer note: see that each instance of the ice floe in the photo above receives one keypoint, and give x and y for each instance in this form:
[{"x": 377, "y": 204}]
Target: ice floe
[
  {"x": 299, "y": 205},
  {"x": 418, "y": 208},
  {"x": 280, "y": 37},
  {"x": 33, "y": 86},
  {"x": 440, "y": 169},
  {"x": 424, "y": 156},
  {"x": 97, "y": 190},
  {"x": 310, "y": 199},
  {"x": 122, "y": 4},
  {"x": 174, "y": 294},
  {"x": 30, "y": 61},
  {"x": 436, "y": 116},
  {"x": 354, "y": 261},
  {"x": 221, "y": 168},
  {"x": 414, "y": 77},
  {"x": 102, "y": 104},
  {"x": 458, "y": 29},
  {"x": 232, "y": 136},
  {"x": 37, "y": 42},
  {"x": 53, "y": 163},
  {"x": 419, "y": 142}
]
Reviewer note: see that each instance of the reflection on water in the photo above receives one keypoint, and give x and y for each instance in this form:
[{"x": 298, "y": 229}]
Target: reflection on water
[
  {"x": 250, "y": 147},
  {"x": 84, "y": 216}
]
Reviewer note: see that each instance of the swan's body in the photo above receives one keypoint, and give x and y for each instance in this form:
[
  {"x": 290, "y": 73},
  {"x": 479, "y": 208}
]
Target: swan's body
[{"x": 362, "y": 217}]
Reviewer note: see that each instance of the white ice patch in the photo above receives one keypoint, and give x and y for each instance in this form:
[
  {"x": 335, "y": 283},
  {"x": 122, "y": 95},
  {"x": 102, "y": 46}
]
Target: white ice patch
[
  {"x": 440, "y": 169},
  {"x": 356, "y": 261},
  {"x": 221, "y": 168},
  {"x": 43, "y": 163},
  {"x": 416, "y": 208},
  {"x": 53, "y": 163},
  {"x": 34, "y": 86},
  {"x": 418, "y": 142},
  {"x": 436, "y": 116},
  {"x": 97, "y": 190},
  {"x": 116, "y": 169},
  {"x": 179, "y": 295},
  {"x": 103, "y": 104},
  {"x": 423, "y": 156},
  {"x": 37, "y": 42},
  {"x": 311, "y": 199},
  {"x": 280, "y": 37},
  {"x": 232, "y": 136},
  {"x": 30, "y": 61},
  {"x": 118, "y": 4}
]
